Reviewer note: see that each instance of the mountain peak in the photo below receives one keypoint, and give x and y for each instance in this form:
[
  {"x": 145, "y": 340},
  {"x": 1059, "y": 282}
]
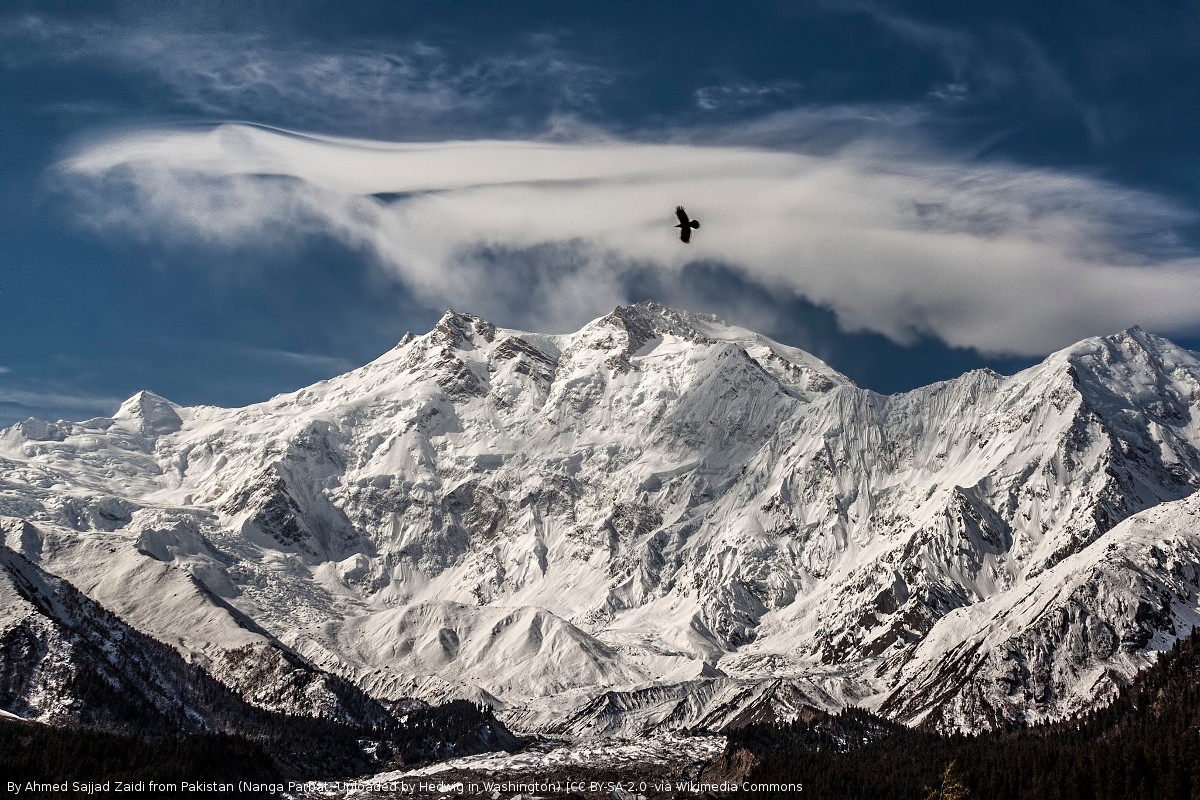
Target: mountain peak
[
  {"x": 154, "y": 415},
  {"x": 641, "y": 322},
  {"x": 665, "y": 319},
  {"x": 1132, "y": 345},
  {"x": 1146, "y": 340},
  {"x": 458, "y": 329},
  {"x": 1134, "y": 333}
]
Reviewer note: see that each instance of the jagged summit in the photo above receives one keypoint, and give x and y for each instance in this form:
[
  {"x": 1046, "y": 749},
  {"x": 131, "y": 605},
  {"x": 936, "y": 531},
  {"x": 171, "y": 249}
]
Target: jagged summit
[
  {"x": 469, "y": 356},
  {"x": 656, "y": 316},
  {"x": 1132, "y": 370},
  {"x": 459, "y": 329},
  {"x": 1133, "y": 343}
]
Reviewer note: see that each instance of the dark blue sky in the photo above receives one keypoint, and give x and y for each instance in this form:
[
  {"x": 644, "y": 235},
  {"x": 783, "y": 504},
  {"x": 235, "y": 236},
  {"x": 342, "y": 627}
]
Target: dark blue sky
[{"x": 1034, "y": 118}]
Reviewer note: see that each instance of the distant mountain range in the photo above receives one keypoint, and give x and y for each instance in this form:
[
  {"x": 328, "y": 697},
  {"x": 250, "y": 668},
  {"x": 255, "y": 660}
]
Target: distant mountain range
[{"x": 661, "y": 521}]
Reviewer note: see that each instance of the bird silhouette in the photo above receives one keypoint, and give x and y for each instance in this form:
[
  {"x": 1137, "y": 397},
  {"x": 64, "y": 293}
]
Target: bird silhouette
[{"x": 685, "y": 225}]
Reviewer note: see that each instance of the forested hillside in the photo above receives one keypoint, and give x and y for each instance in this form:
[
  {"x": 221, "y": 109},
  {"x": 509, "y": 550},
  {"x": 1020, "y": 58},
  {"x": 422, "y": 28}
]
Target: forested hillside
[{"x": 1146, "y": 744}]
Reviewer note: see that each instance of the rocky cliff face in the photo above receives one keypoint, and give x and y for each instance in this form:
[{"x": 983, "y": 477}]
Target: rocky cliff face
[{"x": 656, "y": 521}]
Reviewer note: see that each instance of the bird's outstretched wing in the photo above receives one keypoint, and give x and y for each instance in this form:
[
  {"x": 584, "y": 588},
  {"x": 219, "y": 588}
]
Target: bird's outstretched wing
[
  {"x": 683, "y": 217},
  {"x": 685, "y": 233}
]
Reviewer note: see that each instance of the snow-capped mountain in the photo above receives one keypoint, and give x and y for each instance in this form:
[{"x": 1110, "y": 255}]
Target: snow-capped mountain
[{"x": 659, "y": 521}]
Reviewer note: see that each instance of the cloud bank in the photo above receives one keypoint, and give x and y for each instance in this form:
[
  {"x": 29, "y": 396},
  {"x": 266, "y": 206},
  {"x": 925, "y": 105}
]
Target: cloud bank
[{"x": 999, "y": 258}]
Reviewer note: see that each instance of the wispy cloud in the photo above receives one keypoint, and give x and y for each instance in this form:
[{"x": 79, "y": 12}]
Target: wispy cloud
[
  {"x": 18, "y": 403},
  {"x": 1000, "y": 60},
  {"x": 742, "y": 95},
  {"x": 393, "y": 86},
  {"x": 951, "y": 92},
  {"x": 825, "y": 129},
  {"x": 312, "y": 362},
  {"x": 1051, "y": 85},
  {"x": 995, "y": 257}
]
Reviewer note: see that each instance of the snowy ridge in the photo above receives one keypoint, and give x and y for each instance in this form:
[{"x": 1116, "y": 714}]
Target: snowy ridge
[{"x": 660, "y": 521}]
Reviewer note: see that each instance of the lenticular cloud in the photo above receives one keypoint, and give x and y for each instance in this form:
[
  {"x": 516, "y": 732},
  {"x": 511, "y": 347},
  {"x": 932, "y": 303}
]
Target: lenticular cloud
[{"x": 994, "y": 257}]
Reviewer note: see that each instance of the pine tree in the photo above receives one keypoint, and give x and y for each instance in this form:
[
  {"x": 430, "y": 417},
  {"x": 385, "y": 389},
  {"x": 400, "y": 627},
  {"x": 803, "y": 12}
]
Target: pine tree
[{"x": 952, "y": 787}]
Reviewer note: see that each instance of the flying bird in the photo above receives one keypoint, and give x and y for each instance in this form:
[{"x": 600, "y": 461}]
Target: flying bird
[{"x": 685, "y": 225}]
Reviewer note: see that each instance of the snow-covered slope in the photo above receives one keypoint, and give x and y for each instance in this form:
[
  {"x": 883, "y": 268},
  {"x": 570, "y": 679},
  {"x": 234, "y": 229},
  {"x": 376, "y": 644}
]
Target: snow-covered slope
[
  {"x": 659, "y": 520},
  {"x": 66, "y": 660},
  {"x": 1063, "y": 639}
]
